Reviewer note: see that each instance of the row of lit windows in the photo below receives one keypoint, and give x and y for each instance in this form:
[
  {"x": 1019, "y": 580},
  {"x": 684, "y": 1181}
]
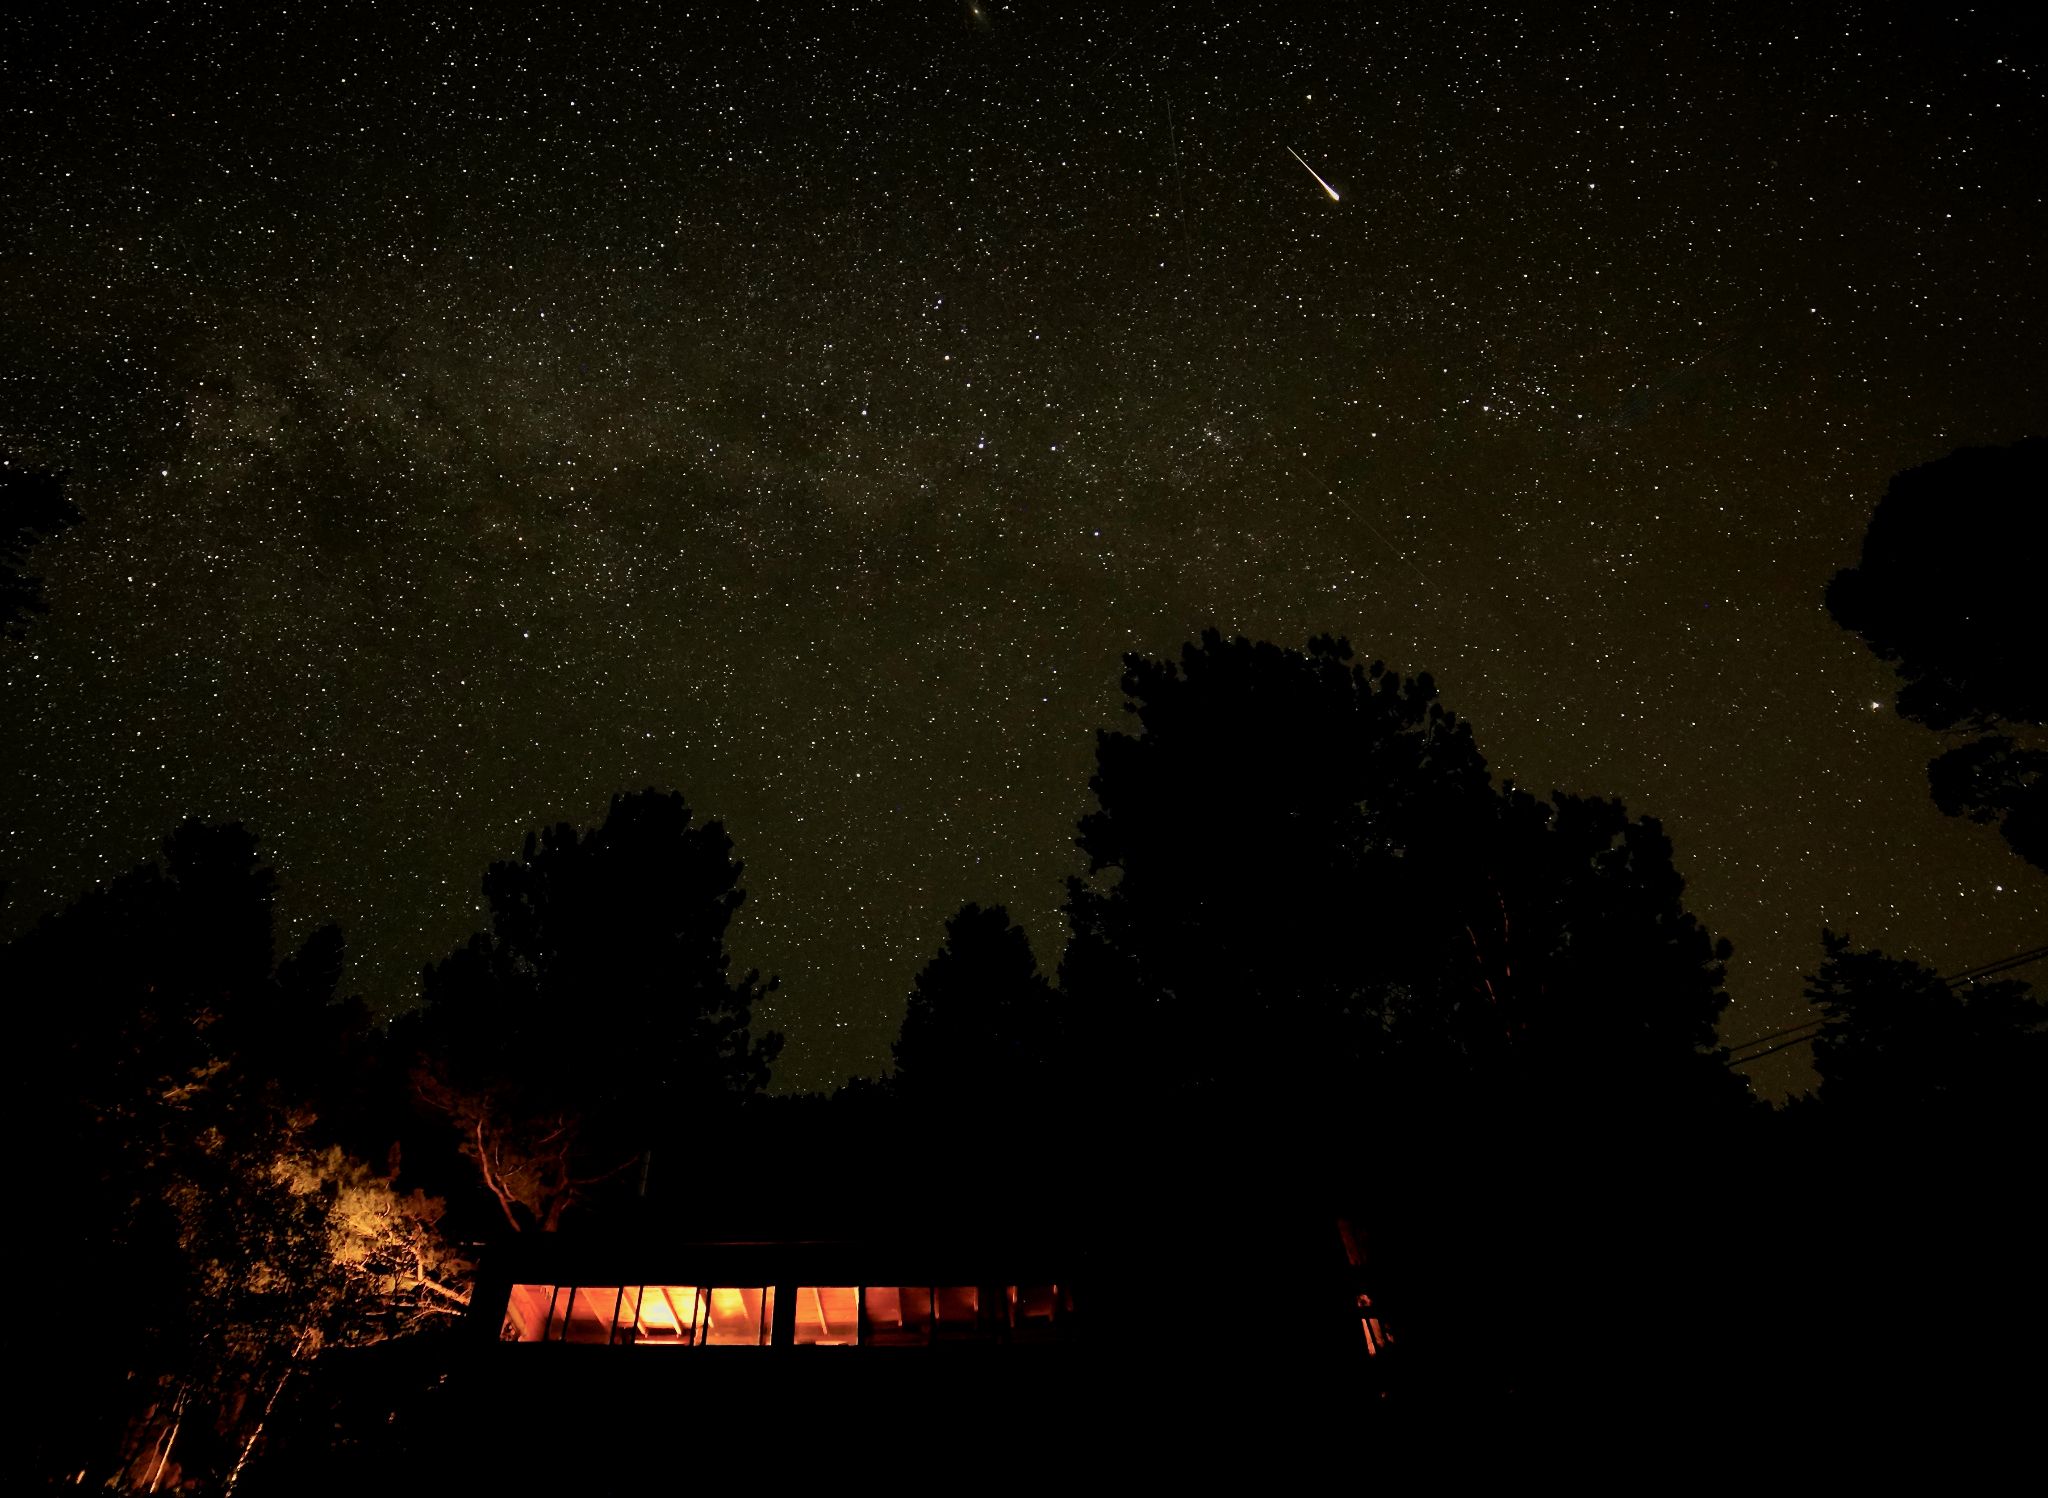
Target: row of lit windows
[{"x": 821, "y": 1316}]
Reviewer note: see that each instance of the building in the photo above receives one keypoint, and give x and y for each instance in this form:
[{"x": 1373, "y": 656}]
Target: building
[
  {"x": 958, "y": 1326},
  {"x": 766, "y": 1294}
]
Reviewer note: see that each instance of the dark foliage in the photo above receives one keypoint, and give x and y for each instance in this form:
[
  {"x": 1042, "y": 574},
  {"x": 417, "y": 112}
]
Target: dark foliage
[
  {"x": 598, "y": 1010},
  {"x": 1304, "y": 890},
  {"x": 1947, "y": 590},
  {"x": 1903, "y": 1048},
  {"x": 1947, "y": 586},
  {"x": 982, "y": 1031},
  {"x": 1994, "y": 779},
  {"x": 32, "y": 509}
]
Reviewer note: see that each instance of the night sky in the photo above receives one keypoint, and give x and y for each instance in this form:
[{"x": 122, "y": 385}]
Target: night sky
[{"x": 477, "y": 414}]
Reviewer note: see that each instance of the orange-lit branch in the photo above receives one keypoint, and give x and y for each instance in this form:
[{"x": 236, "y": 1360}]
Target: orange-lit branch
[{"x": 492, "y": 1180}]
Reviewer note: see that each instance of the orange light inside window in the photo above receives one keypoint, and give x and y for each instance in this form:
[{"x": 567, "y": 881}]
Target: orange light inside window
[
  {"x": 899, "y": 1315},
  {"x": 526, "y": 1313},
  {"x": 827, "y": 1315},
  {"x": 670, "y": 1316},
  {"x": 740, "y": 1317}
]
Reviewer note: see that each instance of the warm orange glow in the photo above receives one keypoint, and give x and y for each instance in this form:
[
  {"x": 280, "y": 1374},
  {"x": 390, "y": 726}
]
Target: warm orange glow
[
  {"x": 1034, "y": 1312},
  {"x": 591, "y": 1313},
  {"x": 899, "y": 1315},
  {"x": 959, "y": 1311},
  {"x": 741, "y": 1317},
  {"x": 526, "y": 1313},
  {"x": 629, "y": 1314},
  {"x": 645, "y": 1315},
  {"x": 827, "y": 1316},
  {"x": 670, "y": 1316},
  {"x": 820, "y": 1316}
]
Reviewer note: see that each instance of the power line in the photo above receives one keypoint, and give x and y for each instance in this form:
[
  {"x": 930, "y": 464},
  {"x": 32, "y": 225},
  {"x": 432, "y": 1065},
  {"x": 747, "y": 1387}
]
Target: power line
[
  {"x": 1954, "y": 980},
  {"x": 2004, "y": 964},
  {"x": 1805, "y": 1024},
  {"x": 1784, "y": 1045}
]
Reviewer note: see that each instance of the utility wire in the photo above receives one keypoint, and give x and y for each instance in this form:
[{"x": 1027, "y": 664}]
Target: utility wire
[
  {"x": 1783, "y": 1045},
  {"x": 2018, "y": 959},
  {"x": 1805, "y": 1024},
  {"x": 1954, "y": 980}
]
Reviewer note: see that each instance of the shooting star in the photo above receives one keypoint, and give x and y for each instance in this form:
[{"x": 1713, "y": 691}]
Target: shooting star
[{"x": 1315, "y": 174}]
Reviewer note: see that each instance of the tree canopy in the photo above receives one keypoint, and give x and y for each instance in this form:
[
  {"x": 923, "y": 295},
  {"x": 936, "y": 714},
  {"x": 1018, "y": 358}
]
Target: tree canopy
[
  {"x": 598, "y": 1008},
  {"x": 1996, "y": 779},
  {"x": 982, "y": 1031},
  {"x": 188, "y": 1242},
  {"x": 1946, "y": 590},
  {"x": 1901, "y": 1045},
  {"x": 1303, "y": 884}
]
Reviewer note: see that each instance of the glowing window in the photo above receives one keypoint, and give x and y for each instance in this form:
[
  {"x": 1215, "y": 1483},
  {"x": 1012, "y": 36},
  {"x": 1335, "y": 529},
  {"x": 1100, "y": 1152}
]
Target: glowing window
[
  {"x": 666, "y": 1316},
  {"x": 821, "y": 1316},
  {"x": 959, "y": 1312},
  {"x": 827, "y": 1315},
  {"x": 1036, "y": 1311},
  {"x": 590, "y": 1313},
  {"x": 629, "y": 1313},
  {"x": 526, "y": 1313},
  {"x": 899, "y": 1315},
  {"x": 739, "y": 1317}
]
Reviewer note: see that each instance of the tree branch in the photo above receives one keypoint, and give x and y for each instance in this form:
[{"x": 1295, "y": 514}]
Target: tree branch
[{"x": 505, "y": 1199}]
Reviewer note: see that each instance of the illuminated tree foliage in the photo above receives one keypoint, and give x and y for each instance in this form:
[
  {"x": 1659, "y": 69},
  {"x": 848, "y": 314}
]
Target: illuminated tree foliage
[
  {"x": 597, "y": 1011},
  {"x": 1946, "y": 590},
  {"x": 192, "y": 1246}
]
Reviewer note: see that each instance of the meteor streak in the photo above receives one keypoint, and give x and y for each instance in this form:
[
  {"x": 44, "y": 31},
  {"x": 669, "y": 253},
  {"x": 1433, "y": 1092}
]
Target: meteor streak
[{"x": 1315, "y": 174}]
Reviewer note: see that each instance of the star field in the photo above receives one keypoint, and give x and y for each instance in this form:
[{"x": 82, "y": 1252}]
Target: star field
[{"x": 479, "y": 413}]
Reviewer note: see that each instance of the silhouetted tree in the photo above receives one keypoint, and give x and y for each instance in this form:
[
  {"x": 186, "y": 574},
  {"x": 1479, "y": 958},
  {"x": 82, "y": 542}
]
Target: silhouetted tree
[
  {"x": 1994, "y": 779},
  {"x": 1601, "y": 987},
  {"x": 1900, "y": 1045},
  {"x": 1947, "y": 591},
  {"x": 1304, "y": 889},
  {"x": 597, "y": 1010},
  {"x": 32, "y": 509},
  {"x": 981, "y": 1033}
]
